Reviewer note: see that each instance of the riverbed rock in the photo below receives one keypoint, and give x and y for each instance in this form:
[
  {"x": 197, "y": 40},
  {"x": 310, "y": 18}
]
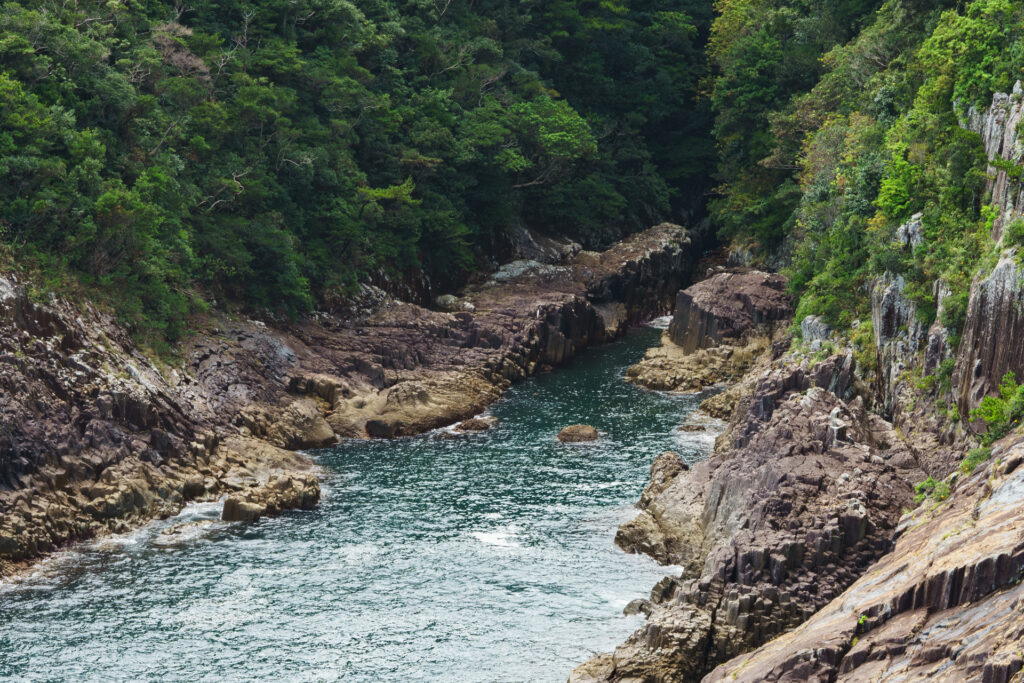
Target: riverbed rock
[
  {"x": 726, "y": 306},
  {"x": 578, "y": 434},
  {"x": 476, "y": 424},
  {"x": 669, "y": 367},
  {"x": 98, "y": 438}
]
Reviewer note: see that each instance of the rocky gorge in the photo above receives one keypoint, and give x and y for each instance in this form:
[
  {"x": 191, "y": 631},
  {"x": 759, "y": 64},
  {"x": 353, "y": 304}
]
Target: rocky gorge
[
  {"x": 96, "y": 437},
  {"x": 801, "y": 538}
]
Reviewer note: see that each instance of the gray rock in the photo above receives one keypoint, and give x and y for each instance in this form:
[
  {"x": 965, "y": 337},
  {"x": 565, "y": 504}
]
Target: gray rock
[
  {"x": 909, "y": 234},
  {"x": 448, "y": 302},
  {"x": 814, "y": 327},
  {"x": 638, "y": 606}
]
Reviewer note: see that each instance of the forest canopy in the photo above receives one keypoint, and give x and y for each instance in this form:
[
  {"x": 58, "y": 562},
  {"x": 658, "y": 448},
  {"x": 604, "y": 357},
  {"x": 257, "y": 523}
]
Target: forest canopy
[{"x": 277, "y": 154}]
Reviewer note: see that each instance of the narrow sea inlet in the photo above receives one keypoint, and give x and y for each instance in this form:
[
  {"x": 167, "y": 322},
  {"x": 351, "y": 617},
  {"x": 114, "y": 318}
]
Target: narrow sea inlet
[{"x": 484, "y": 557}]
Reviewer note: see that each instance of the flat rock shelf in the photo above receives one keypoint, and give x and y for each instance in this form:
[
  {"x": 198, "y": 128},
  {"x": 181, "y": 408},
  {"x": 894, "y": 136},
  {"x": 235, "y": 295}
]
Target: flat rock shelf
[{"x": 477, "y": 557}]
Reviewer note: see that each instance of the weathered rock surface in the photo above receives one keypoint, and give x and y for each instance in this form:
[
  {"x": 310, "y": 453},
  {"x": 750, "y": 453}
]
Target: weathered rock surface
[
  {"x": 669, "y": 367},
  {"x": 904, "y": 346},
  {"x": 720, "y": 327},
  {"x": 578, "y": 434},
  {"x": 726, "y": 306},
  {"x": 805, "y": 494},
  {"x": 946, "y": 604}
]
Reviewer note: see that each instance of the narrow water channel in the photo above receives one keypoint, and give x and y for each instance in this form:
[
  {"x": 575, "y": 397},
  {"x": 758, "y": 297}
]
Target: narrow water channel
[{"x": 480, "y": 558}]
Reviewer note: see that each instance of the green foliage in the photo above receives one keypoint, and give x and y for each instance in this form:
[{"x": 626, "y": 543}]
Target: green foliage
[
  {"x": 937, "y": 491},
  {"x": 1001, "y": 413},
  {"x": 1013, "y": 235},
  {"x": 277, "y": 154},
  {"x": 865, "y": 353},
  {"x": 975, "y": 457}
]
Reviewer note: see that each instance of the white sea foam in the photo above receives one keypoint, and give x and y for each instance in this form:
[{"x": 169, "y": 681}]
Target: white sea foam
[{"x": 503, "y": 537}]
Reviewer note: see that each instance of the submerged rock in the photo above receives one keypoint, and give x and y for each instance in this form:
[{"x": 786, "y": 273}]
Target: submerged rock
[
  {"x": 577, "y": 434},
  {"x": 638, "y": 606}
]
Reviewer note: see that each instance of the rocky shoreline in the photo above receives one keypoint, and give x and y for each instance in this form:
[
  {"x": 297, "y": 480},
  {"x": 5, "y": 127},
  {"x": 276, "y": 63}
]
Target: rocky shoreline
[
  {"x": 96, "y": 438},
  {"x": 805, "y": 553}
]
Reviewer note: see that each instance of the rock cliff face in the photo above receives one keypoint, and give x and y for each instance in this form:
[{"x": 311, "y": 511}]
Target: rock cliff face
[
  {"x": 93, "y": 437},
  {"x": 726, "y": 306},
  {"x": 997, "y": 126},
  {"x": 994, "y": 320},
  {"x": 946, "y": 604}
]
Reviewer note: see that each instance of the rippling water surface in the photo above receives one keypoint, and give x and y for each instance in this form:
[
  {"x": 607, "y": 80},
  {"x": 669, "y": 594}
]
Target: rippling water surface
[{"x": 483, "y": 558}]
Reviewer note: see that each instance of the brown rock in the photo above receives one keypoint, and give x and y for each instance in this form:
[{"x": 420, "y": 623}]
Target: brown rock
[
  {"x": 578, "y": 434},
  {"x": 726, "y": 306},
  {"x": 767, "y": 530},
  {"x": 238, "y": 510},
  {"x": 945, "y": 604},
  {"x": 476, "y": 424}
]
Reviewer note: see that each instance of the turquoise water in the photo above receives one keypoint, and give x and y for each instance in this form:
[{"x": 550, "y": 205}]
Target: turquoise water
[{"x": 481, "y": 558}]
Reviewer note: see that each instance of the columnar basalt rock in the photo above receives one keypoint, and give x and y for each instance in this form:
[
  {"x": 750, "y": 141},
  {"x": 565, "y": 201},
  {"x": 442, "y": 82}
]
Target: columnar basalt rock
[
  {"x": 946, "y": 604},
  {"x": 999, "y": 129},
  {"x": 995, "y": 315}
]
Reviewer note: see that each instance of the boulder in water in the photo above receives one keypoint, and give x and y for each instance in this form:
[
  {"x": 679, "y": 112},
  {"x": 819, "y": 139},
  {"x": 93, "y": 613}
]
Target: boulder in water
[
  {"x": 577, "y": 434},
  {"x": 476, "y": 424},
  {"x": 238, "y": 510}
]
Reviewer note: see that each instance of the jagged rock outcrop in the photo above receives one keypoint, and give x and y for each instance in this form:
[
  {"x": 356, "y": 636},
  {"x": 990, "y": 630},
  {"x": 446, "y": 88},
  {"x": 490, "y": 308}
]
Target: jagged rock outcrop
[
  {"x": 726, "y": 306},
  {"x": 804, "y": 497},
  {"x": 899, "y": 336},
  {"x": 905, "y": 347},
  {"x": 946, "y": 604},
  {"x": 999, "y": 129}
]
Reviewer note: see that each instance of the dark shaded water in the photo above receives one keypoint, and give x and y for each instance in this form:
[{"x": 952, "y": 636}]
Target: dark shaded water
[{"x": 483, "y": 558}]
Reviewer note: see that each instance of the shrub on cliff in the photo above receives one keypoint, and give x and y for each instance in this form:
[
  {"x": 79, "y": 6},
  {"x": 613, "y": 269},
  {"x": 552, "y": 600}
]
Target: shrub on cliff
[{"x": 1001, "y": 413}]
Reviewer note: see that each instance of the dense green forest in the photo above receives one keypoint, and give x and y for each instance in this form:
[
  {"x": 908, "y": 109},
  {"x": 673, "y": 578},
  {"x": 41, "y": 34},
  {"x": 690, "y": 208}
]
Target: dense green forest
[
  {"x": 277, "y": 154},
  {"x": 819, "y": 172}
]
